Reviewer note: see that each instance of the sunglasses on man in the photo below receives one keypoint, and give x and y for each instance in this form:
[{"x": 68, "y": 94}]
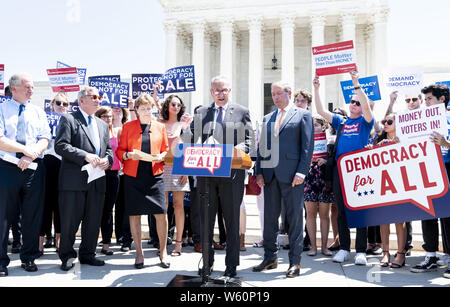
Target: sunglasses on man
[
  {"x": 355, "y": 102},
  {"x": 95, "y": 97},
  {"x": 59, "y": 103},
  {"x": 408, "y": 100}
]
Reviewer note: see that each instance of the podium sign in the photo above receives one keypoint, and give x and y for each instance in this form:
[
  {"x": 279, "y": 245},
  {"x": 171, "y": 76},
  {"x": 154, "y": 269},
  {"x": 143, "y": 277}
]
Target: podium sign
[{"x": 203, "y": 160}]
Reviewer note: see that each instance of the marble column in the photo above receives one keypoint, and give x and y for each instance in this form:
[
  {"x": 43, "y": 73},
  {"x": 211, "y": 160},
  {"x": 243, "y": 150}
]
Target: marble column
[
  {"x": 255, "y": 75},
  {"x": 317, "y": 22},
  {"x": 348, "y": 33},
  {"x": 171, "y": 44},
  {"x": 198, "y": 56},
  {"x": 379, "y": 41},
  {"x": 287, "y": 57},
  {"x": 226, "y": 49}
]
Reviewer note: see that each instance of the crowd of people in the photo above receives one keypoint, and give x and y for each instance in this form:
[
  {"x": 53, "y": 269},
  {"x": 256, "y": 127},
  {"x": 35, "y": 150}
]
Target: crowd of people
[{"x": 44, "y": 178}]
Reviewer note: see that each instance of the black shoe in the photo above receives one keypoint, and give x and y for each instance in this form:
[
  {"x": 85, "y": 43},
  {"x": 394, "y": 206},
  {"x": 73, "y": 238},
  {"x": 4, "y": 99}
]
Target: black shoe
[
  {"x": 306, "y": 248},
  {"x": 125, "y": 247},
  {"x": 156, "y": 244},
  {"x": 200, "y": 271},
  {"x": 293, "y": 272},
  {"x": 3, "y": 271},
  {"x": 139, "y": 265},
  {"x": 107, "y": 252},
  {"x": 41, "y": 253},
  {"x": 266, "y": 265},
  {"x": 164, "y": 264},
  {"x": 230, "y": 271},
  {"x": 334, "y": 248},
  {"x": 29, "y": 266},
  {"x": 16, "y": 246},
  {"x": 150, "y": 241},
  {"x": 48, "y": 242},
  {"x": 10, "y": 241},
  {"x": 428, "y": 265},
  {"x": 67, "y": 265},
  {"x": 93, "y": 262}
]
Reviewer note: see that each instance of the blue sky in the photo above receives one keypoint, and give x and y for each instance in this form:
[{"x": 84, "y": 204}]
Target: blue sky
[{"x": 115, "y": 36}]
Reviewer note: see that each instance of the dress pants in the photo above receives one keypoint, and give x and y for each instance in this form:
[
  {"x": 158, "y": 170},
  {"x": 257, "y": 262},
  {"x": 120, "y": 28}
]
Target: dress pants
[
  {"x": 122, "y": 221},
  {"x": 112, "y": 189},
  {"x": 24, "y": 190},
  {"x": 274, "y": 193},
  {"x": 51, "y": 207},
  {"x": 196, "y": 224},
  {"x": 76, "y": 207},
  {"x": 230, "y": 192},
  {"x": 344, "y": 231}
]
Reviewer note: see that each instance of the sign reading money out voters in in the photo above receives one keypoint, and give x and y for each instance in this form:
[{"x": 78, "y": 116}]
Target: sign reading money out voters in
[
  {"x": 404, "y": 80},
  {"x": 394, "y": 183},
  {"x": 421, "y": 123},
  {"x": 370, "y": 86},
  {"x": 203, "y": 160},
  {"x": 4, "y": 98},
  {"x": 320, "y": 146},
  {"x": 64, "y": 79},
  {"x": 335, "y": 58},
  {"x": 176, "y": 80},
  {"x": 81, "y": 71},
  {"x": 115, "y": 94},
  {"x": 2, "y": 76}
]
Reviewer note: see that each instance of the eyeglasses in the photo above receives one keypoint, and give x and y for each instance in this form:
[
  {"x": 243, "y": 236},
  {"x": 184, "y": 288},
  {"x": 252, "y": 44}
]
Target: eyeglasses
[
  {"x": 224, "y": 91},
  {"x": 107, "y": 116},
  {"x": 95, "y": 97},
  {"x": 144, "y": 110},
  {"x": 355, "y": 102},
  {"x": 388, "y": 122},
  {"x": 176, "y": 105},
  {"x": 408, "y": 100},
  {"x": 59, "y": 103}
]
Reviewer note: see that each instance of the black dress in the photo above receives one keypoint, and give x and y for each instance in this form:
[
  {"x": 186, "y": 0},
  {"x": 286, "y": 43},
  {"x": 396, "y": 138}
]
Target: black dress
[{"x": 144, "y": 194}]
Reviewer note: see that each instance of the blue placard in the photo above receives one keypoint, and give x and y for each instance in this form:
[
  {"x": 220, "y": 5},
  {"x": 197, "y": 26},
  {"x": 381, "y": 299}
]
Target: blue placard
[
  {"x": 4, "y": 98},
  {"x": 203, "y": 160},
  {"x": 143, "y": 84},
  {"x": 108, "y": 78},
  {"x": 370, "y": 85},
  {"x": 115, "y": 94},
  {"x": 53, "y": 120},
  {"x": 444, "y": 82}
]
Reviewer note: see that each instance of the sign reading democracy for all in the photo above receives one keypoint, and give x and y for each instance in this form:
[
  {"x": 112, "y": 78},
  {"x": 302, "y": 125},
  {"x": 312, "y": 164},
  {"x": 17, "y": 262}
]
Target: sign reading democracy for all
[
  {"x": 115, "y": 78},
  {"x": 64, "y": 79},
  {"x": 2, "y": 76},
  {"x": 320, "y": 146},
  {"x": 81, "y": 72},
  {"x": 73, "y": 106},
  {"x": 335, "y": 58},
  {"x": 115, "y": 94},
  {"x": 203, "y": 160},
  {"x": 421, "y": 123},
  {"x": 405, "y": 80},
  {"x": 175, "y": 80},
  {"x": 394, "y": 183},
  {"x": 4, "y": 98},
  {"x": 370, "y": 85},
  {"x": 53, "y": 120}
]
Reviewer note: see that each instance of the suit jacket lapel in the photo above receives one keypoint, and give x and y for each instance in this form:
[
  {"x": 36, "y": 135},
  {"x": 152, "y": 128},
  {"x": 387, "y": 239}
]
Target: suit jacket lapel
[
  {"x": 80, "y": 118},
  {"x": 228, "y": 113},
  {"x": 288, "y": 117},
  {"x": 100, "y": 135},
  {"x": 269, "y": 123}
]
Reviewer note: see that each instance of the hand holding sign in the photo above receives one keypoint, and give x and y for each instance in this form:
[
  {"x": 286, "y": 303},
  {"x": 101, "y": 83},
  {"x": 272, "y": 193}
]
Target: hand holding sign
[{"x": 439, "y": 139}]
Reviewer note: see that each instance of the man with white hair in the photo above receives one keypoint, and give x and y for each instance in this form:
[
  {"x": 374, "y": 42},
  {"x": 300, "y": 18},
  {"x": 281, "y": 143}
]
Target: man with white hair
[
  {"x": 24, "y": 135},
  {"x": 82, "y": 139}
]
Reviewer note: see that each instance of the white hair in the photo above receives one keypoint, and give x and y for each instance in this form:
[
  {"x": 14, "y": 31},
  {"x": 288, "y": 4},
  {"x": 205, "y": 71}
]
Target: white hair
[
  {"x": 17, "y": 79},
  {"x": 223, "y": 79},
  {"x": 284, "y": 85},
  {"x": 83, "y": 92}
]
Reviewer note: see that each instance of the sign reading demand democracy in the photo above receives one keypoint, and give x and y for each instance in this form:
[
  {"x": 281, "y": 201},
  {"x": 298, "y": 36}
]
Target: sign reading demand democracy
[
  {"x": 175, "y": 80},
  {"x": 419, "y": 124},
  {"x": 405, "y": 80},
  {"x": 115, "y": 94},
  {"x": 394, "y": 183},
  {"x": 335, "y": 58},
  {"x": 64, "y": 79},
  {"x": 370, "y": 86}
]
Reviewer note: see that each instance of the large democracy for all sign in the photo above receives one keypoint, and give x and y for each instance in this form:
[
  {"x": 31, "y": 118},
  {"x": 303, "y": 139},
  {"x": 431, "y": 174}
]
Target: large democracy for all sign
[
  {"x": 394, "y": 183},
  {"x": 176, "y": 80},
  {"x": 2, "y": 76},
  {"x": 370, "y": 85},
  {"x": 334, "y": 58},
  {"x": 114, "y": 94}
]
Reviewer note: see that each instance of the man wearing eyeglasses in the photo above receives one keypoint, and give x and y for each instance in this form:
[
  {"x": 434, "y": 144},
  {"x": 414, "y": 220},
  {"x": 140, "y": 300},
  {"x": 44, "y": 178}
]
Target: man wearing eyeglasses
[
  {"x": 354, "y": 135},
  {"x": 224, "y": 122},
  {"x": 82, "y": 139},
  {"x": 24, "y": 135}
]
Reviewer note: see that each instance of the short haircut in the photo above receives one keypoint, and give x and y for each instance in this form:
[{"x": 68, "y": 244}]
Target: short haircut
[
  {"x": 8, "y": 91},
  {"x": 102, "y": 110},
  {"x": 320, "y": 120},
  {"x": 62, "y": 96},
  {"x": 144, "y": 99},
  {"x": 224, "y": 79},
  {"x": 16, "y": 79},
  {"x": 438, "y": 90},
  {"x": 284, "y": 85},
  {"x": 304, "y": 93},
  {"x": 83, "y": 92},
  {"x": 166, "y": 105}
]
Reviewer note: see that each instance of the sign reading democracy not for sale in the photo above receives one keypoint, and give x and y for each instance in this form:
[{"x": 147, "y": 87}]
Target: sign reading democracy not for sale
[
  {"x": 335, "y": 58},
  {"x": 394, "y": 183},
  {"x": 115, "y": 94}
]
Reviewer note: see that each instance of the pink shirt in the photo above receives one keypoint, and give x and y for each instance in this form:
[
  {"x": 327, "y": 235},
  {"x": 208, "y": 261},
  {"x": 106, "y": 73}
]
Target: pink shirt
[{"x": 114, "y": 144}]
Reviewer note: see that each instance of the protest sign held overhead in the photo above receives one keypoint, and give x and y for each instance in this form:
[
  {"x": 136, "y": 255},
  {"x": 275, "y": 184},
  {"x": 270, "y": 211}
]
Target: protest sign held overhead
[
  {"x": 394, "y": 183},
  {"x": 320, "y": 146},
  {"x": 115, "y": 94},
  {"x": 370, "y": 86},
  {"x": 334, "y": 58},
  {"x": 419, "y": 124},
  {"x": 405, "y": 80},
  {"x": 81, "y": 72},
  {"x": 2, "y": 76},
  {"x": 64, "y": 79},
  {"x": 108, "y": 78},
  {"x": 175, "y": 80}
]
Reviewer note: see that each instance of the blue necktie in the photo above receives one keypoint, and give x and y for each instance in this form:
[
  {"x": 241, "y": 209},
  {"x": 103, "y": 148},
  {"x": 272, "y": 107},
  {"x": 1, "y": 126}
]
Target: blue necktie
[
  {"x": 20, "y": 137},
  {"x": 219, "y": 119}
]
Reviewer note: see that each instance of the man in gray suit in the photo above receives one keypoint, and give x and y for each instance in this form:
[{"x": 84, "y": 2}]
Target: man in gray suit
[
  {"x": 224, "y": 123},
  {"x": 82, "y": 139},
  {"x": 284, "y": 157}
]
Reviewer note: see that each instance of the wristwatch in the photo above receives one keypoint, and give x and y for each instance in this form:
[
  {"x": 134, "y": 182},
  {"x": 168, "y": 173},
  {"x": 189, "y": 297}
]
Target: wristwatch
[
  {"x": 126, "y": 155},
  {"x": 357, "y": 87}
]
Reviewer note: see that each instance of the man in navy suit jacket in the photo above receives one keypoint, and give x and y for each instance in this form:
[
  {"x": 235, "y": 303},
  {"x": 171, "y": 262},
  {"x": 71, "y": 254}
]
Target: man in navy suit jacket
[{"x": 284, "y": 157}]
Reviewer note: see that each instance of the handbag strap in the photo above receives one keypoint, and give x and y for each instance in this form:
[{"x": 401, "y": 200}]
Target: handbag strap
[{"x": 338, "y": 135}]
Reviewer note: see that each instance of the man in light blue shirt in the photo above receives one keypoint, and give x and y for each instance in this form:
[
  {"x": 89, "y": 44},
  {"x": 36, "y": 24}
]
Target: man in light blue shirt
[{"x": 24, "y": 134}]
